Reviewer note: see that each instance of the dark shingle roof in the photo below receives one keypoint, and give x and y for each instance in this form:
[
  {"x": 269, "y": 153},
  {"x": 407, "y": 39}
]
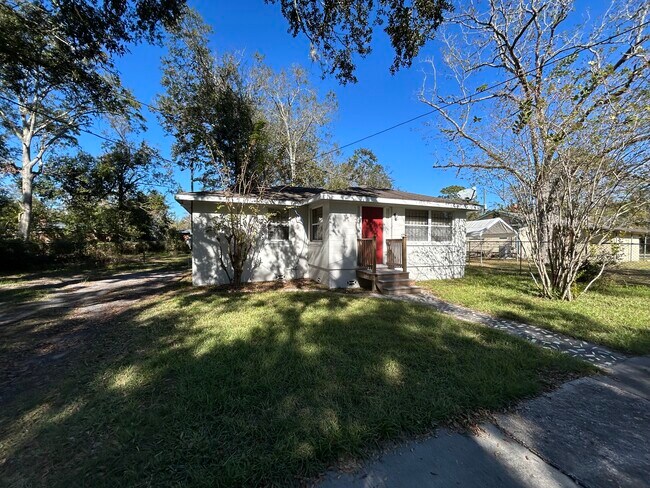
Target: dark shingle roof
[
  {"x": 299, "y": 193},
  {"x": 395, "y": 194}
]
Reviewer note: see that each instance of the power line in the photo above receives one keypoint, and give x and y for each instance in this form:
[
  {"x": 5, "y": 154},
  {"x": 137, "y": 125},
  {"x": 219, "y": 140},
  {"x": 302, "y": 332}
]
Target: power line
[
  {"x": 469, "y": 97},
  {"x": 387, "y": 129}
]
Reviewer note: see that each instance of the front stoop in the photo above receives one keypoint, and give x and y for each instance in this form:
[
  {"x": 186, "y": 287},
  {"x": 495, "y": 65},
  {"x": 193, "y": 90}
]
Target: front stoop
[{"x": 388, "y": 281}]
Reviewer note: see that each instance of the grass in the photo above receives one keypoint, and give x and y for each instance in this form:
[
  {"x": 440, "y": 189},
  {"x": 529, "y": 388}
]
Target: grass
[
  {"x": 266, "y": 388},
  {"x": 17, "y": 288},
  {"x": 615, "y": 313}
]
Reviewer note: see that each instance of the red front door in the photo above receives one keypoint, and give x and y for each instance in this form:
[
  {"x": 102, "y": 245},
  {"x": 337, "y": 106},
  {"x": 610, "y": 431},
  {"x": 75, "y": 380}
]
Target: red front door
[{"x": 372, "y": 225}]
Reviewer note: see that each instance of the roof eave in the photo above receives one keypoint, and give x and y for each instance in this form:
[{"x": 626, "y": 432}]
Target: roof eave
[
  {"x": 188, "y": 197},
  {"x": 390, "y": 201}
]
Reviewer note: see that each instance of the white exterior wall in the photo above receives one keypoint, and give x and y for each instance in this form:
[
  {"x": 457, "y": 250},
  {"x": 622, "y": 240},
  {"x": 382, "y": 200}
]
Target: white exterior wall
[
  {"x": 425, "y": 260},
  {"x": 270, "y": 260},
  {"x": 626, "y": 247},
  {"x": 318, "y": 254},
  {"x": 331, "y": 261},
  {"x": 433, "y": 260},
  {"x": 345, "y": 227}
]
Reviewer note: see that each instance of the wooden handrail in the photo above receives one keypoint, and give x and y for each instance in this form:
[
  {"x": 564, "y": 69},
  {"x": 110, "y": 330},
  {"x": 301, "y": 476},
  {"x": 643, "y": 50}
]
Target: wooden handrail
[
  {"x": 396, "y": 253},
  {"x": 374, "y": 254},
  {"x": 367, "y": 253}
]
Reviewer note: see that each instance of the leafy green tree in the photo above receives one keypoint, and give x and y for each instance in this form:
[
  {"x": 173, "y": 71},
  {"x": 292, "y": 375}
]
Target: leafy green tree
[
  {"x": 110, "y": 197},
  {"x": 66, "y": 41},
  {"x": 9, "y": 211},
  {"x": 212, "y": 109},
  {"x": 361, "y": 169},
  {"x": 57, "y": 76},
  {"x": 339, "y": 31},
  {"x": 72, "y": 184},
  {"x": 451, "y": 191}
]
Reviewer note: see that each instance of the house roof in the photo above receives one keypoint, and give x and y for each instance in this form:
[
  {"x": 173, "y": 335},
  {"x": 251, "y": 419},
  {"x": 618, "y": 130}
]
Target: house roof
[
  {"x": 489, "y": 228},
  {"x": 296, "y": 196},
  {"x": 512, "y": 218}
]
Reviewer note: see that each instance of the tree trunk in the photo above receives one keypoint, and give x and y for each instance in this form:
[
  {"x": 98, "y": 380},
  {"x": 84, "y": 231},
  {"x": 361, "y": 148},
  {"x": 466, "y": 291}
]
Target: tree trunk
[{"x": 25, "y": 219}]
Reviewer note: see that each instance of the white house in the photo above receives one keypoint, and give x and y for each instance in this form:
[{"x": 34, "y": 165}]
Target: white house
[{"x": 385, "y": 238}]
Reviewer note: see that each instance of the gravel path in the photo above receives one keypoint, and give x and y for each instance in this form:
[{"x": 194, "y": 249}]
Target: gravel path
[{"x": 81, "y": 294}]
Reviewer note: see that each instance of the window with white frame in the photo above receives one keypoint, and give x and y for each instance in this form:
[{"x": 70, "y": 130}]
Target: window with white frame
[
  {"x": 425, "y": 225},
  {"x": 417, "y": 225},
  {"x": 278, "y": 226},
  {"x": 317, "y": 224}
]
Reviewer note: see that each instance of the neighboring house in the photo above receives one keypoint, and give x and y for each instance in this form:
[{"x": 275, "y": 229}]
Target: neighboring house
[
  {"x": 186, "y": 235},
  {"x": 338, "y": 238},
  {"x": 492, "y": 238},
  {"x": 630, "y": 244},
  {"x": 513, "y": 219}
]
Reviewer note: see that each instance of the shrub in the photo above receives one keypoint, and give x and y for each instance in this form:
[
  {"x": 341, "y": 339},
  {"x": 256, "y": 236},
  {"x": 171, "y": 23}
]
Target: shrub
[
  {"x": 599, "y": 256},
  {"x": 18, "y": 254}
]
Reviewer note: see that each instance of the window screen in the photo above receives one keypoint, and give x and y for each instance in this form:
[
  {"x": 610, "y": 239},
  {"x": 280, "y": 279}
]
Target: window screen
[
  {"x": 279, "y": 225},
  {"x": 417, "y": 225},
  {"x": 422, "y": 225},
  {"x": 441, "y": 226},
  {"x": 317, "y": 224}
]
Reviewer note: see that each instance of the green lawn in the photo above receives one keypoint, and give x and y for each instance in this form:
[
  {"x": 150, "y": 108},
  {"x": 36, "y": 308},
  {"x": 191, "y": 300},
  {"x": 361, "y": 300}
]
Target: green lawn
[
  {"x": 270, "y": 388},
  {"x": 615, "y": 313}
]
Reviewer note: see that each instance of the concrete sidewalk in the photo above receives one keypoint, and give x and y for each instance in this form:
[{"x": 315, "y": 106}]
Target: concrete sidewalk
[{"x": 591, "y": 432}]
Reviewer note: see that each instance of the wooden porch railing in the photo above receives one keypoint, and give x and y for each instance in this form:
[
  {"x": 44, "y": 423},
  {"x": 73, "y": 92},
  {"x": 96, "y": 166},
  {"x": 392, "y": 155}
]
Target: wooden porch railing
[
  {"x": 396, "y": 253},
  {"x": 367, "y": 253}
]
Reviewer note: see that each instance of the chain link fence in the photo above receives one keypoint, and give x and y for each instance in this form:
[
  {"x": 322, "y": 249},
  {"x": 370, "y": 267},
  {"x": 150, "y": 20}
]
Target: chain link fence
[{"x": 513, "y": 252}]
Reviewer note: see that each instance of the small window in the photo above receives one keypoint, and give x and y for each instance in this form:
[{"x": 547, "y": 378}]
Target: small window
[
  {"x": 317, "y": 224},
  {"x": 279, "y": 225},
  {"x": 417, "y": 225},
  {"x": 441, "y": 226}
]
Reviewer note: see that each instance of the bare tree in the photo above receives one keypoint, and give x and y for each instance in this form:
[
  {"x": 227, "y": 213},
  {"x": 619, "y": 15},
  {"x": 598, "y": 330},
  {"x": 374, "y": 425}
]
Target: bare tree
[
  {"x": 296, "y": 115},
  {"x": 565, "y": 130},
  {"x": 238, "y": 225}
]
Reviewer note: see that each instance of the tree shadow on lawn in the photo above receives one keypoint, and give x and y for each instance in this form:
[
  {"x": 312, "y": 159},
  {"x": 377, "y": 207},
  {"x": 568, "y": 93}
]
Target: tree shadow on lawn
[
  {"x": 572, "y": 322},
  {"x": 268, "y": 388}
]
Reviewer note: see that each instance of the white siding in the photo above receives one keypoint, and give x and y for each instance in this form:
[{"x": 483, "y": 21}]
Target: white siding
[
  {"x": 434, "y": 260},
  {"x": 318, "y": 255},
  {"x": 331, "y": 261},
  {"x": 270, "y": 260},
  {"x": 344, "y": 225},
  {"x": 626, "y": 247}
]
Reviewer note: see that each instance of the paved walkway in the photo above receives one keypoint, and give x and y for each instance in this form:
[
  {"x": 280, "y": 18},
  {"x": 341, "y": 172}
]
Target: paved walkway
[
  {"x": 591, "y": 432},
  {"x": 599, "y": 355}
]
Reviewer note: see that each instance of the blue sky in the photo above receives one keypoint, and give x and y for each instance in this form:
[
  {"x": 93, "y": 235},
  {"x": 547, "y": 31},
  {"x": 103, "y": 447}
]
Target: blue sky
[{"x": 377, "y": 101}]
